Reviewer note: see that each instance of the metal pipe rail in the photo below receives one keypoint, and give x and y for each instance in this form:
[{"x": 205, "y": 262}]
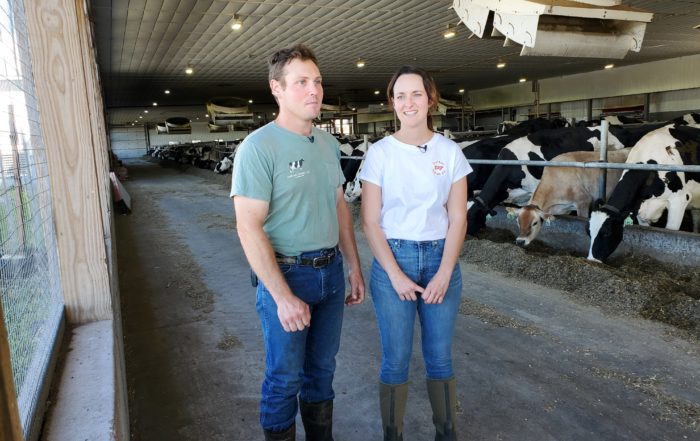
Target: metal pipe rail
[{"x": 615, "y": 165}]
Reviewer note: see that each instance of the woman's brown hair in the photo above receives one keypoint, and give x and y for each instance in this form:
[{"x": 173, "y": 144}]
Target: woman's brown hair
[{"x": 428, "y": 83}]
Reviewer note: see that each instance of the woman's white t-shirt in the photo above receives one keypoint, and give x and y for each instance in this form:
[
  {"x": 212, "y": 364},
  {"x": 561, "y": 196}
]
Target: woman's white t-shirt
[{"x": 415, "y": 185}]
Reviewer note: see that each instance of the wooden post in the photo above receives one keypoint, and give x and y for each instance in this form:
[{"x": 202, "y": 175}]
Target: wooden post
[
  {"x": 73, "y": 127},
  {"x": 10, "y": 427}
]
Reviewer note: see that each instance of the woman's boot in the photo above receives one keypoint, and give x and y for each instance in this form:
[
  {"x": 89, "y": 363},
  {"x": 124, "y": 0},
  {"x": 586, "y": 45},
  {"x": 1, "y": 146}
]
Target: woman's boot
[
  {"x": 392, "y": 402},
  {"x": 284, "y": 435},
  {"x": 443, "y": 400},
  {"x": 317, "y": 419}
]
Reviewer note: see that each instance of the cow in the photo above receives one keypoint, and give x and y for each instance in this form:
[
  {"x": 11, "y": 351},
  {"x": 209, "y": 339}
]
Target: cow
[
  {"x": 619, "y": 120},
  {"x": 523, "y": 128},
  {"x": 353, "y": 189},
  {"x": 649, "y": 192},
  {"x": 486, "y": 148},
  {"x": 564, "y": 189},
  {"x": 516, "y": 183},
  {"x": 351, "y": 166},
  {"x": 688, "y": 118}
]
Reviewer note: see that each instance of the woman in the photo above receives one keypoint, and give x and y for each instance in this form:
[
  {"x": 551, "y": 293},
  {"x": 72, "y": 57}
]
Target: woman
[{"x": 414, "y": 198}]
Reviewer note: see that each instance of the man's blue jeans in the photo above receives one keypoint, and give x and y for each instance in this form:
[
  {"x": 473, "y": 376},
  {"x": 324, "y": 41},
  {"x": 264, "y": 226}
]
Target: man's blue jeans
[
  {"x": 301, "y": 362},
  {"x": 395, "y": 317}
]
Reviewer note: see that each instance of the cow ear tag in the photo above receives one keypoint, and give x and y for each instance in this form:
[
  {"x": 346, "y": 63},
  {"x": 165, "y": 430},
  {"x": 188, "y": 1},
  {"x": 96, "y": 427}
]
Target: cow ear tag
[
  {"x": 628, "y": 221},
  {"x": 548, "y": 222},
  {"x": 488, "y": 217}
]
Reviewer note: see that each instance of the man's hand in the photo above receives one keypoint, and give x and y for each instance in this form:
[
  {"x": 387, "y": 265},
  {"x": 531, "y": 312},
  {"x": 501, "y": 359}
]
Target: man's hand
[
  {"x": 357, "y": 288},
  {"x": 293, "y": 313}
]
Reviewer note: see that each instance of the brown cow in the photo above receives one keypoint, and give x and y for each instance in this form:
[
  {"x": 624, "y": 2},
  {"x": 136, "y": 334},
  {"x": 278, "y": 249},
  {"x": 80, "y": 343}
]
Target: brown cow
[{"x": 564, "y": 189}]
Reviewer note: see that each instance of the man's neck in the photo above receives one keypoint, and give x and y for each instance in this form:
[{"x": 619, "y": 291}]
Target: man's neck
[{"x": 294, "y": 125}]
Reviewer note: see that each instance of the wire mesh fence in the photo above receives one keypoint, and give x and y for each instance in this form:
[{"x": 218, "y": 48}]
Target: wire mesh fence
[{"x": 30, "y": 288}]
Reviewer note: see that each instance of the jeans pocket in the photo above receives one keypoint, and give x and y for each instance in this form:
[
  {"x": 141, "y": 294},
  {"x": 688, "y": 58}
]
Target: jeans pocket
[{"x": 285, "y": 268}]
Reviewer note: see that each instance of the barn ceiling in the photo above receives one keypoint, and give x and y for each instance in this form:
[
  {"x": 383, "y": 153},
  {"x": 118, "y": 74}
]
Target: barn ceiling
[{"x": 144, "y": 47}]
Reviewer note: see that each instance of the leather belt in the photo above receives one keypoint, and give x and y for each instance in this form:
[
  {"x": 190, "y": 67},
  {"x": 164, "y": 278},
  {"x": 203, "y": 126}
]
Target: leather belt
[{"x": 316, "y": 262}]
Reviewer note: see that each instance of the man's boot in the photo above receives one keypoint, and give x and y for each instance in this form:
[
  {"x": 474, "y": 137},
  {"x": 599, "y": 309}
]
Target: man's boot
[
  {"x": 443, "y": 400},
  {"x": 317, "y": 419},
  {"x": 289, "y": 434},
  {"x": 392, "y": 402}
]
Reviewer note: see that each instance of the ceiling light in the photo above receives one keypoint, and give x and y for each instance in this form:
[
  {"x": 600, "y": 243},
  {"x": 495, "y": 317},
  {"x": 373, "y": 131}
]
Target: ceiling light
[
  {"x": 501, "y": 65},
  {"x": 145, "y": 111},
  {"x": 609, "y": 66},
  {"x": 250, "y": 101},
  {"x": 522, "y": 80},
  {"x": 381, "y": 104},
  {"x": 274, "y": 114},
  {"x": 167, "y": 92},
  {"x": 461, "y": 90},
  {"x": 354, "y": 109},
  {"x": 449, "y": 32},
  {"x": 155, "y": 104},
  {"x": 206, "y": 116},
  {"x": 360, "y": 62},
  {"x": 376, "y": 92},
  {"x": 140, "y": 116},
  {"x": 259, "y": 117},
  {"x": 237, "y": 23},
  {"x": 189, "y": 70},
  {"x": 696, "y": 27}
]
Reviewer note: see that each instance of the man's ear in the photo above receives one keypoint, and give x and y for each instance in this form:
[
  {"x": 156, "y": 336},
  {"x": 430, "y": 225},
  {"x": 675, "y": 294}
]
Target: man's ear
[{"x": 275, "y": 87}]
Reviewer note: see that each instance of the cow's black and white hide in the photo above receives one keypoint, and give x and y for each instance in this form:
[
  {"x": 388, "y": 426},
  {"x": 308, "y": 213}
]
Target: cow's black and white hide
[
  {"x": 688, "y": 118},
  {"x": 526, "y": 127},
  {"x": 349, "y": 166},
  {"x": 514, "y": 183},
  {"x": 649, "y": 193},
  {"x": 619, "y": 120},
  {"x": 485, "y": 148},
  {"x": 353, "y": 189}
]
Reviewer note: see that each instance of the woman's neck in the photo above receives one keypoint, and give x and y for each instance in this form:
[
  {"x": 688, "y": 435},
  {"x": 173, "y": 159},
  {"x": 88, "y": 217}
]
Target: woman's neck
[{"x": 415, "y": 136}]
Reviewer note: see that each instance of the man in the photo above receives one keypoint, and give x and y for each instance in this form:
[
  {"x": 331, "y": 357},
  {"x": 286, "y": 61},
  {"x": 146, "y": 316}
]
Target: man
[{"x": 291, "y": 216}]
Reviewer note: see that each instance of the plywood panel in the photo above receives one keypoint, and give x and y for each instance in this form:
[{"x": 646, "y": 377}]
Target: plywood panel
[{"x": 75, "y": 144}]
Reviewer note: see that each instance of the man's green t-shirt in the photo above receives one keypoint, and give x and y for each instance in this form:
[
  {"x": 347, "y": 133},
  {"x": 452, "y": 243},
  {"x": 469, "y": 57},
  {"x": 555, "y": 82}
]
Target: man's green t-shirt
[{"x": 299, "y": 177}]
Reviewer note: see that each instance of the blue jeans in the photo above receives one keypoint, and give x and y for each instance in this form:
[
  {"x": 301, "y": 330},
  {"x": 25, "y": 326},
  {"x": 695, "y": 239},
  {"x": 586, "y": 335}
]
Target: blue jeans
[
  {"x": 301, "y": 362},
  {"x": 395, "y": 317}
]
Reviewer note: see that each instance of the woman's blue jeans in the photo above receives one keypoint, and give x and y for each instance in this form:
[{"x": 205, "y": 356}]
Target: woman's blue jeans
[
  {"x": 395, "y": 317},
  {"x": 301, "y": 362}
]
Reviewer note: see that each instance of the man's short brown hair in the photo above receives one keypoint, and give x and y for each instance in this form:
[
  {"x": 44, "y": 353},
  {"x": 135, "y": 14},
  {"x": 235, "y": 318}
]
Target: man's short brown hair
[{"x": 280, "y": 59}]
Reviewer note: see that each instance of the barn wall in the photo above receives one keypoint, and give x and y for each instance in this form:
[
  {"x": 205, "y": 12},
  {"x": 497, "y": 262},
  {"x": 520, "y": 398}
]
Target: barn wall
[
  {"x": 627, "y": 80},
  {"x": 128, "y": 142}
]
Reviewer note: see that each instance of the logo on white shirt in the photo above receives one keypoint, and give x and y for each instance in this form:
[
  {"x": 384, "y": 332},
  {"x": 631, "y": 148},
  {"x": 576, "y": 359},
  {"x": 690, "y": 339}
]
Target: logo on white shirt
[{"x": 439, "y": 168}]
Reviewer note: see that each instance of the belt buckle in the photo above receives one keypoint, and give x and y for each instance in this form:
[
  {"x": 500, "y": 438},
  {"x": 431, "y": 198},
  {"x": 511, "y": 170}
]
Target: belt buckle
[{"x": 320, "y": 262}]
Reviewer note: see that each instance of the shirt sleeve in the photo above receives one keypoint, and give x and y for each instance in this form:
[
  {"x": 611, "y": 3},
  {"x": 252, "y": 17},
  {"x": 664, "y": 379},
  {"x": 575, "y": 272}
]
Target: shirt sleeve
[
  {"x": 372, "y": 166},
  {"x": 461, "y": 165},
  {"x": 252, "y": 173},
  {"x": 341, "y": 176}
]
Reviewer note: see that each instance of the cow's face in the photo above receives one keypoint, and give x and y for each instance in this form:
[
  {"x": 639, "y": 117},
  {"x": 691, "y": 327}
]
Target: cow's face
[
  {"x": 353, "y": 190},
  {"x": 651, "y": 210},
  {"x": 476, "y": 218},
  {"x": 530, "y": 219},
  {"x": 605, "y": 230}
]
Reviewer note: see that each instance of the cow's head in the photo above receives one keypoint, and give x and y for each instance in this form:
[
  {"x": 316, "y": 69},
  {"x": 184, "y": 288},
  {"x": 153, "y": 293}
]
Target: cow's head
[
  {"x": 530, "y": 219},
  {"x": 353, "y": 190},
  {"x": 605, "y": 230},
  {"x": 476, "y": 216}
]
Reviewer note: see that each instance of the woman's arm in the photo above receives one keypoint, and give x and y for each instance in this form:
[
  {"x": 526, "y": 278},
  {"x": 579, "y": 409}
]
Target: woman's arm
[{"x": 456, "y": 229}]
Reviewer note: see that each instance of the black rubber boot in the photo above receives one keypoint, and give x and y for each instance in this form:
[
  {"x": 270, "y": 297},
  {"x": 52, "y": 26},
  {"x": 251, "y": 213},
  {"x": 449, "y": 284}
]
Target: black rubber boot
[
  {"x": 289, "y": 434},
  {"x": 443, "y": 400},
  {"x": 317, "y": 419},
  {"x": 392, "y": 403}
]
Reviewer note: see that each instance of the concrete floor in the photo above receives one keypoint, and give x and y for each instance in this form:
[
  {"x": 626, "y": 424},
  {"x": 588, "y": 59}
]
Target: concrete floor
[{"x": 532, "y": 365}]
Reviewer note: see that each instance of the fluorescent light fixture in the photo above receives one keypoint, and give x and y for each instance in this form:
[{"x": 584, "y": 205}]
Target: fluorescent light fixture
[
  {"x": 206, "y": 116},
  {"x": 381, "y": 104},
  {"x": 609, "y": 66},
  {"x": 274, "y": 114},
  {"x": 189, "y": 70},
  {"x": 237, "y": 23},
  {"x": 360, "y": 63},
  {"x": 250, "y": 101},
  {"x": 461, "y": 90},
  {"x": 167, "y": 91},
  {"x": 501, "y": 65},
  {"x": 376, "y": 92},
  {"x": 140, "y": 116},
  {"x": 522, "y": 80},
  {"x": 155, "y": 104},
  {"x": 145, "y": 111},
  {"x": 450, "y": 32}
]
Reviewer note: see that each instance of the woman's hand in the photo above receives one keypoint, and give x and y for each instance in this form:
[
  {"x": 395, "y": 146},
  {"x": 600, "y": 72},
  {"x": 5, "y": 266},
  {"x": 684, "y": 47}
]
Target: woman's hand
[
  {"x": 405, "y": 287},
  {"x": 436, "y": 289}
]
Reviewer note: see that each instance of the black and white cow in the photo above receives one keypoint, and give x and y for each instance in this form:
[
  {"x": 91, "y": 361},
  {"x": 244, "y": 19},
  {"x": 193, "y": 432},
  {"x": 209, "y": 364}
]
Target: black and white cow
[
  {"x": 516, "y": 183},
  {"x": 486, "y": 148},
  {"x": 533, "y": 125},
  {"x": 649, "y": 192},
  {"x": 350, "y": 167},
  {"x": 688, "y": 118}
]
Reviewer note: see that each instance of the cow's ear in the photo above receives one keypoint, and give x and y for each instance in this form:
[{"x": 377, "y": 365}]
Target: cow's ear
[
  {"x": 598, "y": 203},
  {"x": 548, "y": 217}
]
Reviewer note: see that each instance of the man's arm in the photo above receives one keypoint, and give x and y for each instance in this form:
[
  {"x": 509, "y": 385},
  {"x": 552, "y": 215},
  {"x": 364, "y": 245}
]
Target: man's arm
[
  {"x": 293, "y": 313},
  {"x": 348, "y": 247}
]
